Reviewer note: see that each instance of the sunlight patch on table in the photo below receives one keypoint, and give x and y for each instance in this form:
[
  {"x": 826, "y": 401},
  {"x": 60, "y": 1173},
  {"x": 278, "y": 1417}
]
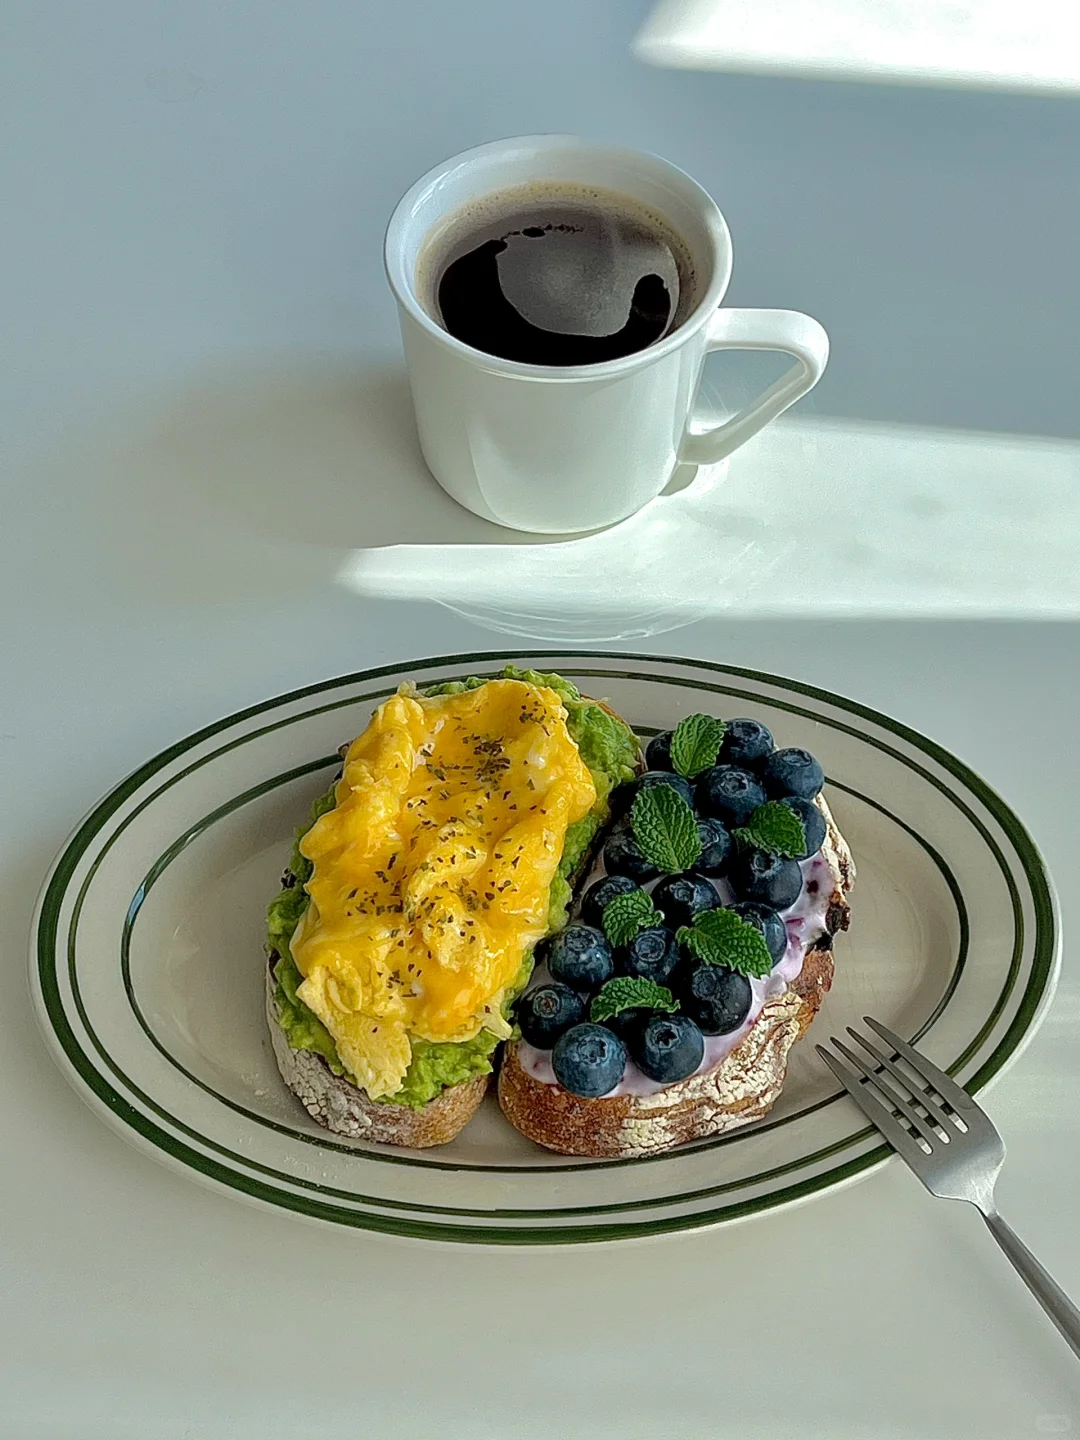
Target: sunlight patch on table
[
  {"x": 1033, "y": 45},
  {"x": 813, "y": 519}
]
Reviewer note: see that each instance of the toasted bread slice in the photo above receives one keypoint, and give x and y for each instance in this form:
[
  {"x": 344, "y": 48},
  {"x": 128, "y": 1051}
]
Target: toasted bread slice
[
  {"x": 741, "y": 1087},
  {"x": 342, "y": 1106}
]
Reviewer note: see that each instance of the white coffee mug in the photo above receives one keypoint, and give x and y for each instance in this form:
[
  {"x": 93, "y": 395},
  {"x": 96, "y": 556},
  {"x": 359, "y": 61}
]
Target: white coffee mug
[{"x": 571, "y": 448}]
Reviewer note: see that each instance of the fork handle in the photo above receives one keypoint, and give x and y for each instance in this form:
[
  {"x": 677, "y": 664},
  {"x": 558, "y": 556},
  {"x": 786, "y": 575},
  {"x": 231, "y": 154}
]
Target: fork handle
[{"x": 1046, "y": 1290}]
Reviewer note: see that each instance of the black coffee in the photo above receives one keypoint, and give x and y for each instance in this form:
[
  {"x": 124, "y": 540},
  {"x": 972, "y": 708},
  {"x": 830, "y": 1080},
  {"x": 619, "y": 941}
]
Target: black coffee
[{"x": 559, "y": 276}]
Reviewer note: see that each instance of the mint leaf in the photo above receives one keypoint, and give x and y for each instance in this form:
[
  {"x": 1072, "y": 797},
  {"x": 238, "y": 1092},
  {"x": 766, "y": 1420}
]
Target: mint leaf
[
  {"x": 720, "y": 937},
  {"x": 665, "y": 829},
  {"x": 627, "y": 992},
  {"x": 776, "y": 828},
  {"x": 696, "y": 744},
  {"x": 627, "y": 914}
]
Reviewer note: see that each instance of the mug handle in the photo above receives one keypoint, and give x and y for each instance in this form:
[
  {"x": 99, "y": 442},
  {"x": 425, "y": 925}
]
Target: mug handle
[{"x": 784, "y": 330}]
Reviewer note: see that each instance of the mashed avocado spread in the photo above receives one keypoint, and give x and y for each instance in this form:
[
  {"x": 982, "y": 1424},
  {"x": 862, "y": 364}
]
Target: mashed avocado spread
[{"x": 609, "y": 750}]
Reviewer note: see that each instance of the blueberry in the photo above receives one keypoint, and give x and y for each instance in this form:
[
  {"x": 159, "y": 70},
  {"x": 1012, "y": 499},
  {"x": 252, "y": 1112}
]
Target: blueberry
[
  {"x": 622, "y": 855},
  {"x": 589, "y": 1060},
  {"x": 792, "y": 772},
  {"x": 621, "y": 799},
  {"x": 599, "y": 896},
  {"x": 680, "y": 897},
  {"x": 580, "y": 957},
  {"x": 768, "y": 879},
  {"x": 746, "y": 743},
  {"x": 665, "y": 777},
  {"x": 658, "y": 751},
  {"x": 769, "y": 923},
  {"x": 544, "y": 1013},
  {"x": 813, "y": 822},
  {"x": 716, "y": 998},
  {"x": 652, "y": 954},
  {"x": 669, "y": 1048},
  {"x": 715, "y": 848},
  {"x": 628, "y": 1024},
  {"x": 729, "y": 793}
]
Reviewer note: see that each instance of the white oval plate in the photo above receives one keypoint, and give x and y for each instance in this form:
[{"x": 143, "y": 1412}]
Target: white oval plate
[{"x": 147, "y": 965}]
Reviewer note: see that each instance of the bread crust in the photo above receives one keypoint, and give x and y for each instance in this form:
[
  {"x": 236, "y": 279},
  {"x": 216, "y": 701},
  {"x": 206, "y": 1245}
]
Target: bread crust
[
  {"x": 340, "y": 1105},
  {"x": 742, "y": 1087}
]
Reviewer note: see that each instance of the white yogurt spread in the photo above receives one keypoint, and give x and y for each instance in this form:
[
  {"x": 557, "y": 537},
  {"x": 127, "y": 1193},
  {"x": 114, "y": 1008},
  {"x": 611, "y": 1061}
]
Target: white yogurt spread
[{"x": 805, "y": 921}]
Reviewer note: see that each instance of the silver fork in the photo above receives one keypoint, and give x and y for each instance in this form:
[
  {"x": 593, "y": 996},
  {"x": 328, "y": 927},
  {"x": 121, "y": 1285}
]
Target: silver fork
[{"x": 947, "y": 1140}]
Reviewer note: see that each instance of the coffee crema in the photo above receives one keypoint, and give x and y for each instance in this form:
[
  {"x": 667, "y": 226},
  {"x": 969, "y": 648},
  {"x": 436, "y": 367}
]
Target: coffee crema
[{"x": 557, "y": 275}]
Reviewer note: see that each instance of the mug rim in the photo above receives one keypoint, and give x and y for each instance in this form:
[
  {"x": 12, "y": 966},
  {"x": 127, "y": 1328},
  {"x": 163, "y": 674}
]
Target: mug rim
[{"x": 401, "y": 281}]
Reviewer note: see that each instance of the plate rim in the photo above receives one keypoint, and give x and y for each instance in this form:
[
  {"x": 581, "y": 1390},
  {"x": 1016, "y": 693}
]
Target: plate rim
[{"x": 95, "y": 1088}]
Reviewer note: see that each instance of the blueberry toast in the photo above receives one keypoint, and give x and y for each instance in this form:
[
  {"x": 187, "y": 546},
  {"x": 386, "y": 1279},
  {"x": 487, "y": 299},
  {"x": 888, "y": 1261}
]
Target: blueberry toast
[{"x": 700, "y": 950}]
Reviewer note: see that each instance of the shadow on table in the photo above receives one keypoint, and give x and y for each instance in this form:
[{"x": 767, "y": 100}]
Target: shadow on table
[
  {"x": 284, "y": 477},
  {"x": 314, "y": 453},
  {"x": 299, "y": 478}
]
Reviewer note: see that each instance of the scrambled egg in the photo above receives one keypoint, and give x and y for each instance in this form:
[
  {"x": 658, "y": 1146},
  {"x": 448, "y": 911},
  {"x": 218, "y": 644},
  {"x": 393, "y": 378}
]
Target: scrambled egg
[{"x": 431, "y": 874}]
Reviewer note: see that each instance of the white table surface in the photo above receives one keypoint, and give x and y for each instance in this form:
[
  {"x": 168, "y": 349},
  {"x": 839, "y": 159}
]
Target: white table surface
[{"x": 197, "y": 185}]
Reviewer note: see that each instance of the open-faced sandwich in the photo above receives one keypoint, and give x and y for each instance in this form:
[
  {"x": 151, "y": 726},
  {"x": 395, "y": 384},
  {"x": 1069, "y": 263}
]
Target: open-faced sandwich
[
  {"x": 699, "y": 953},
  {"x": 413, "y": 901}
]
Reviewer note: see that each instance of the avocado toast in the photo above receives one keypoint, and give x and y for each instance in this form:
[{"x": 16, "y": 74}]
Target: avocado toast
[
  {"x": 699, "y": 952},
  {"x": 408, "y": 914}
]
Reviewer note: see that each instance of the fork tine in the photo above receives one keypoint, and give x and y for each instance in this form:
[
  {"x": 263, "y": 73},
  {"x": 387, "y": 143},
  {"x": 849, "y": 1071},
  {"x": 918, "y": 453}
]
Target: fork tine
[
  {"x": 926, "y": 1101},
  {"x": 908, "y": 1115},
  {"x": 895, "y": 1133},
  {"x": 946, "y": 1087}
]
